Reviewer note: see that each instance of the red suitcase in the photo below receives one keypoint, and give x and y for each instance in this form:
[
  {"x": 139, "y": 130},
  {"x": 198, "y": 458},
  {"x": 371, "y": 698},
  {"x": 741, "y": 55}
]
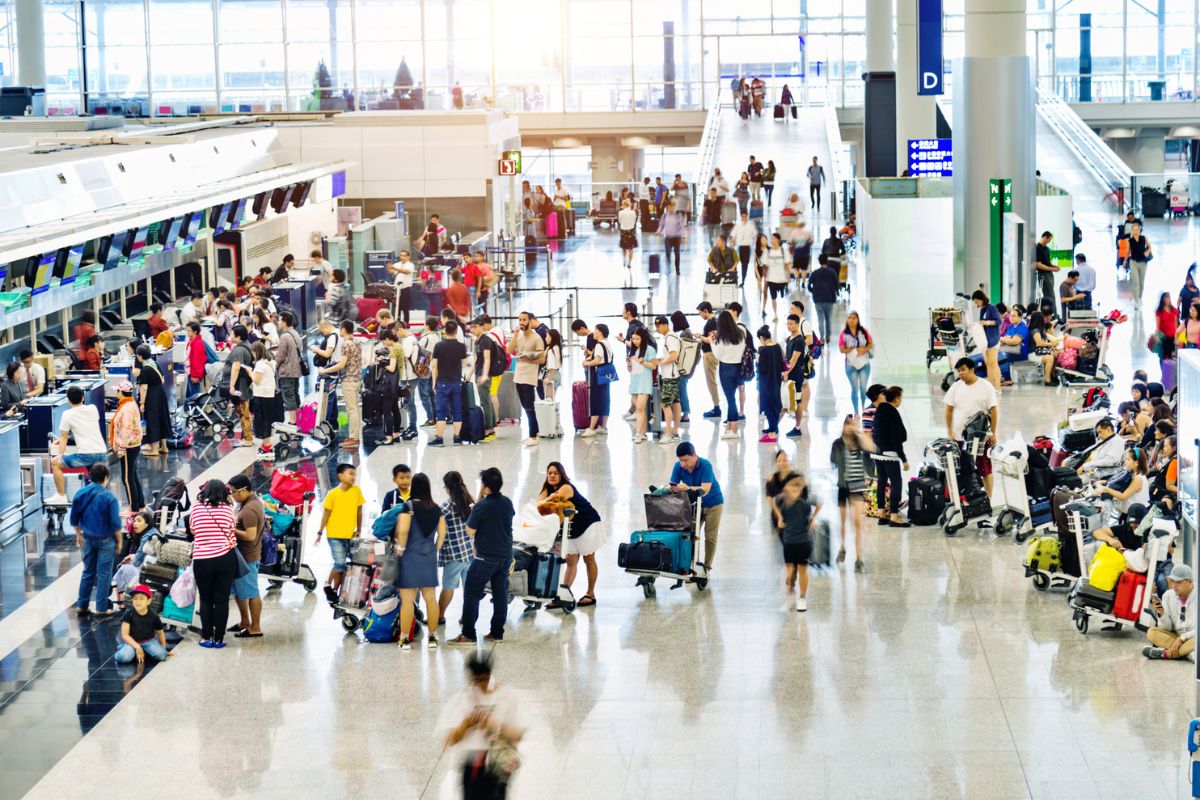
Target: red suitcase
[
  {"x": 1057, "y": 457},
  {"x": 581, "y": 414},
  {"x": 1131, "y": 588},
  {"x": 368, "y": 307}
]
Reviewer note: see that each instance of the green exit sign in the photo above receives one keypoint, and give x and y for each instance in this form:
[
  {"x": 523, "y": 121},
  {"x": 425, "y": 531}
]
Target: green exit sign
[{"x": 513, "y": 156}]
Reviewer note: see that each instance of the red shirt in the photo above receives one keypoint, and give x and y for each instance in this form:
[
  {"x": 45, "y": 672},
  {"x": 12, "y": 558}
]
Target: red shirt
[
  {"x": 470, "y": 274},
  {"x": 197, "y": 358},
  {"x": 156, "y": 325},
  {"x": 83, "y": 332},
  {"x": 1168, "y": 321},
  {"x": 90, "y": 359},
  {"x": 459, "y": 299}
]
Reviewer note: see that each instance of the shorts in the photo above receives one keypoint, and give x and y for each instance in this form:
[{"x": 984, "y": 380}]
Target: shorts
[
  {"x": 494, "y": 385},
  {"x": 340, "y": 548},
  {"x": 80, "y": 460},
  {"x": 289, "y": 390},
  {"x": 669, "y": 391},
  {"x": 453, "y": 574},
  {"x": 797, "y": 553},
  {"x": 844, "y": 495},
  {"x": 246, "y": 587},
  {"x": 777, "y": 289},
  {"x": 448, "y": 401}
]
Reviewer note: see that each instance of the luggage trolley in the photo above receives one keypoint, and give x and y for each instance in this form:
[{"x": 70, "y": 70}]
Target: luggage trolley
[
  {"x": 289, "y": 563},
  {"x": 1018, "y": 498},
  {"x": 1094, "y": 332},
  {"x": 961, "y": 336},
  {"x": 534, "y": 578},
  {"x": 669, "y": 550},
  {"x": 362, "y": 580},
  {"x": 310, "y": 421},
  {"x": 937, "y": 347},
  {"x": 1056, "y": 558},
  {"x": 966, "y": 498}
]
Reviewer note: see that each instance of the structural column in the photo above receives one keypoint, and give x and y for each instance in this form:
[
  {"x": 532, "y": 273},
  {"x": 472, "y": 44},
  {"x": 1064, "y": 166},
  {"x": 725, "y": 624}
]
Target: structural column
[
  {"x": 994, "y": 135},
  {"x": 879, "y": 92},
  {"x": 916, "y": 114},
  {"x": 31, "y": 43}
]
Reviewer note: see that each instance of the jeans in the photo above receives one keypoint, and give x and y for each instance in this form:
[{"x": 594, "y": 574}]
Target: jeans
[
  {"x": 214, "y": 581},
  {"x": 479, "y": 574},
  {"x": 710, "y": 232},
  {"x": 155, "y": 651},
  {"x": 331, "y": 408},
  {"x": 814, "y": 195},
  {"x": 731, "y": 378},
  {"x": 888, "y": 472},
  {"x": 448, "y": 396},
  {"x": 769, "y": 189},
  {"x": 352, "y": 395},
  {"x": 98, "y": 556},
  {"x": 824, "y": 319},
  {"x": 684, "y": 405},
  {"x": 425, "y": 392},
  {"x": 193, "y": 388},
  {"x": 744, "y": 255},
  {"x": 526, "y": 393},
  {"x": 859, "y": 378},
  {"x": 672, "y": 246},
  {"x": 755, "y": 190},
  {"x": 770, "y": 401}
]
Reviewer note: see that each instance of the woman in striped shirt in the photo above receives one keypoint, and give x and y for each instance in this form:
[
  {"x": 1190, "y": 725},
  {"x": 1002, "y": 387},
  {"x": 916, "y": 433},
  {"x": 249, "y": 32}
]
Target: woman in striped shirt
[
  {"x": 213, "y": 561},
  {"x": 849, "y": 456}
]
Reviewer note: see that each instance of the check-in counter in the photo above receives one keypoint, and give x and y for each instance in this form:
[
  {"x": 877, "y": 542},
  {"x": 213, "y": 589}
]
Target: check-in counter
[
  {"x": 300, "y": 292},
  {"x": 42, "y": 417},
  {"x": 11, "y": 491}
]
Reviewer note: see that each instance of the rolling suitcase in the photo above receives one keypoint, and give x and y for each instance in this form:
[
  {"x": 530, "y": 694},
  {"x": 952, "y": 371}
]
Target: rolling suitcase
[
  {"x": 926, "y": 500},
  {"x": 1131, "y": 588},
  {"x": 729, "y": 212},
  {"x": 756, "y": 209},
  {"x": 581, "y": 415},
  {"x": 472, "y": 426},
  {"x": 1085, "y": 595},
  {"x": 552, "y": 226},
  {"x": 510, "y": 403},
  {"x": 779, "y": 111},
  {"x": 654, "y": 263},
  {"x": 654, "y": 415},
  {"x": 646, "y": 556},
  {"x": 1044, "y": 553},
  {"x": 821, "y": 546},
  {"x": 795, "y": 111},
  {"x": 546, "y": 412},
  {"x": 678, "y": 543},
  {"x": 530, "y": 255}
]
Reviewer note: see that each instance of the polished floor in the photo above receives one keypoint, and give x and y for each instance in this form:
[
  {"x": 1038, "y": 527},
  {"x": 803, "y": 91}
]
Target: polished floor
[{"x": 939, "y": 673}]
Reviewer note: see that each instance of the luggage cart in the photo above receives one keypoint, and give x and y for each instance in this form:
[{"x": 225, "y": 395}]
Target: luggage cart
[
  {"x": 543, "y": 567},
  {"x": 937, "y": 348},
  {"x": 310, "y": 422},
  {"x": 362, "y": 580},
  {"x": 290, "y": 566},
  {"x": 693, "y": 570}
]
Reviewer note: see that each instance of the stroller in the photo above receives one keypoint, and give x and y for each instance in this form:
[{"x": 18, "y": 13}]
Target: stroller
[
  {"x": 207, "y": 410},
  {"x": 310, "y": 422},
  {"x": 967, "y": 499},
  {"x": 667, "y": 548}
]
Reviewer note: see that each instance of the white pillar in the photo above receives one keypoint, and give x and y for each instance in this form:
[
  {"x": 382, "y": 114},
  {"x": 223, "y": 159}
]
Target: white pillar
[
  {"x": 880, "y": 28},
  {"x": 31, "y": 43},
  {"x": 994, "y": 135},
  {"x": 916, "y": 114}
]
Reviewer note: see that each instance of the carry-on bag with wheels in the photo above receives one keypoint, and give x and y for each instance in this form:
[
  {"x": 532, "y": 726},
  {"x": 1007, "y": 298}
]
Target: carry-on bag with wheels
[
  {"x": 581, "y": 415},
  {"x": 546, "y": 412}
]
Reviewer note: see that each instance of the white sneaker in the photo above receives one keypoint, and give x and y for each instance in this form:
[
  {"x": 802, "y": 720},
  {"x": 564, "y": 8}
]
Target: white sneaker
[
  {"x": 56, "y": 500},
  {"x": 602, "y": 431},
  {"x": 531, "y": 442},
  {"x": 588, "y": 433},
  {"x": 639, "y": 440},
  {"x": 629, "y": 417},
  {"x": 801, "y": 604},
  {"x": 668, "y": 440},
  {"x": 728, "y": 434}
]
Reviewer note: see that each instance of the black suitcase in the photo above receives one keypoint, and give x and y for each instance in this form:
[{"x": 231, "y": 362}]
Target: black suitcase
[
  {"x": 1084, "y": 595},
  {"x": 1067, "y": 478},
  {"x": 530, "y": 250},
  {"x": 562, "y": 223},
  {"x": 795, "y": 112},
  {"x": 1074, "y": 441},
  {"x": 926, "y": 500},
  {"x": 648, "y": 556},
  {"x": 654, "y": 263}
]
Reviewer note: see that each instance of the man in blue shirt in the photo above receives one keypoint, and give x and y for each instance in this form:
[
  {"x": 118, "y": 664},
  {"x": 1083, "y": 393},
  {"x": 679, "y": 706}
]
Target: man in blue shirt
[
  {"x": 491, "y": 529},
  {"x": 692, "y": 472},
  {"x": 96, "y": 517}
]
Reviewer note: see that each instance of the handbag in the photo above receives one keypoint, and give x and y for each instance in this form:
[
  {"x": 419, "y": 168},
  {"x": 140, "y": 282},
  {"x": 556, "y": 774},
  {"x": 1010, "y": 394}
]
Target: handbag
[
  {"x": 606, "y": 373},
  {"x": 502, "y": 759},
  {"x": 290, "y": 487}
]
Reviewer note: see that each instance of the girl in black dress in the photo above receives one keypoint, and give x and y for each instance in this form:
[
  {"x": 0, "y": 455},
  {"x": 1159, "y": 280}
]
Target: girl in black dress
[{"x": 152, "y": 398}]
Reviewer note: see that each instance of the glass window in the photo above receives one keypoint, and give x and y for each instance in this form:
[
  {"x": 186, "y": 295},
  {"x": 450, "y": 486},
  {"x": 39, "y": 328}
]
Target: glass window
[
  {"x": 388, "y": 21},
  {"x": 250, "y": 21},
  {"x": 319, "y": 52},
  {"x": 470, "y": 19}
]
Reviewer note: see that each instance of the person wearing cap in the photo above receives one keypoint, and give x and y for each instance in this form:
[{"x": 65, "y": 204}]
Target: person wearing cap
[
  {"x": 248, "y": 526},
  {"x": 125, "y": 435},
  {"x": 668, "y": 347},
  {"x": 693, "y": 472},
  {"x": 710, "y": 361},
  {"x": 1175, "y": 634},
  {"x": 141, "y": 630}
]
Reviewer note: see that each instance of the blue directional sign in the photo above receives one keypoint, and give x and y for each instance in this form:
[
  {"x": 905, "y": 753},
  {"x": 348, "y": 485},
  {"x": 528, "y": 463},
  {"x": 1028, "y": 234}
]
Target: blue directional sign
[
  {"x": 932, "y": 157},
  {"x": 929, "y": 47}
]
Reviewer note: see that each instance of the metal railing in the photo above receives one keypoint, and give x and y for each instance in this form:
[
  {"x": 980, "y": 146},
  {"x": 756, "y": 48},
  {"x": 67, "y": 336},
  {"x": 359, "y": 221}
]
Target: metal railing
[
  {"x": 708, "y": 150},
  {"x": 1097, "y": 158},
  {"x": 841, "y": 167}
]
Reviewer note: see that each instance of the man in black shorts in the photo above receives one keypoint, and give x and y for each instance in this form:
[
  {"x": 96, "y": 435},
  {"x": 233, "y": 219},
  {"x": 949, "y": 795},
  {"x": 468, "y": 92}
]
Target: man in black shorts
[
  {"x": 799, "y": 518},
  {"x": 795, "y": 356}
]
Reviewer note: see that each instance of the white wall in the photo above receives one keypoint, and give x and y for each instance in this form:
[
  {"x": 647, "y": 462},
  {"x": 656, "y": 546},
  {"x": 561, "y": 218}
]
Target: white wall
[
  {"x": 1054, "y": 214},
  {"x": 909, "y": 249}
]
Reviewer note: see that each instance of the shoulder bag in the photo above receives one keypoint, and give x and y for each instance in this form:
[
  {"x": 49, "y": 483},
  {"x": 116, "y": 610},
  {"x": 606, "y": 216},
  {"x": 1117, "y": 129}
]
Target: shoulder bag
[{"x": 606, "y": 373}]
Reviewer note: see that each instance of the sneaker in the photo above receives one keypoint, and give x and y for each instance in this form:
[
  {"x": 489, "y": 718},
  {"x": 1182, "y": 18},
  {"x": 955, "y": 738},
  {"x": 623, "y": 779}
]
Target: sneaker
[
  {"x": 668, "y": 439},
  {"x": 265, "y": 448},
  {"x": 794, "y": 433},
  {"x": 217, "y": 645},
  {"x": 602, "y": 431},
  {"x": 532, "y": 441},
  {"x": 458, "y": 440},
  {"x": 728, "y": 434},
  {"x": 841, "y": 556},
  {"x": 56, "y": 500},
  {"x": 1149, "y": 651},
  {"x": 639, "y": 440},
  {"x": 432, "y": 643},
  {"x": 437, "y": 442},
  {"x": 714, "y": 414},
  {"x": 801, "y": 604},
  {"x": 408, "y": 436},
  {"x": 768, "y": 438},
  {"x": 461, "y": 640},
  {"x": 405, "y": 644},
  {"x": 860, "y": 567},
  {"x": 630, "y": 417},
  {"x": 492, "y": 639},
  {"x": 331, "y": 594},
  {"x": 588, "y": 433},
  {"x": 684, "y": 419}
]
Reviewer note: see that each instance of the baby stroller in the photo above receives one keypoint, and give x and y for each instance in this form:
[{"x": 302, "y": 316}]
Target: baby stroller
[
  {"x": 206, "y": 411},
  {"x": 310, "y": 422},
  {"x": 966, "y": 498}
]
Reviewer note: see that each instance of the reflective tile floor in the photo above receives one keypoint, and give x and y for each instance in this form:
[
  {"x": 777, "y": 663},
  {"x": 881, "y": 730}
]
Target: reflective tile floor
[{"x": 939, "y": 673}]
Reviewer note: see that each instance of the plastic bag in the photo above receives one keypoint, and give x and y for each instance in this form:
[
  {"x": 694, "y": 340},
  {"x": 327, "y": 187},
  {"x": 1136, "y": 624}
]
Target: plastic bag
[
  {"x": 533, "y": 529},
  {"x": 183, "y": 591}
]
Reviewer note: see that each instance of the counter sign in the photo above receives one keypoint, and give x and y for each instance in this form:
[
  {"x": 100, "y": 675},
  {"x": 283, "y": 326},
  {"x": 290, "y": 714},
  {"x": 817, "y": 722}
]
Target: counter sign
[{"x": 930, "y": 157}]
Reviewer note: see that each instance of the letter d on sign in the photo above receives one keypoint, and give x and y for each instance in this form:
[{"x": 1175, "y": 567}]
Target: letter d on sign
[{"x": 929, "y": 46}]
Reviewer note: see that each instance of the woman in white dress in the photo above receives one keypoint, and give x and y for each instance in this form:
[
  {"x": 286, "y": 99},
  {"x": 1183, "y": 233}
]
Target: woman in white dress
[{"x": 585, "y": 536}]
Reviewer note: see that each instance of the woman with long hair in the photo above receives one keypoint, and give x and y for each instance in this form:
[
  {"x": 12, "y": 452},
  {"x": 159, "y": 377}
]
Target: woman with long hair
[
  {"x": 776, "y": 275},
  {"x": 553, "y": 363},
  {"x": 768, "y": 180},
  {"x": 456, "y": 551},
  {"x": 599, "y": 399},
  {"x": 850, "y": 456},
  {"x": 642, "y": 361},
  {"x": 769, "y": 373},
  {"x": 855, "y": 343},
  {"x": 1044, "y": 345},
  {"x": 989, "y": 318},
  {"x": 265, "y": 400},
  {"x": 762, "y": 245},
  {"x": 890, "y": 435},
  {"x": 153, "y": 403},
  {"x": 1166, "y": 323},
  {"x": 214, "y": 562},
  {"x": 728, "y": 343},
  {"x": 420, "y": 533},
  {"x": 1190, "y": 334},
  {"x": 584, "y": 536},
  {"x": 681, "y": 328}
]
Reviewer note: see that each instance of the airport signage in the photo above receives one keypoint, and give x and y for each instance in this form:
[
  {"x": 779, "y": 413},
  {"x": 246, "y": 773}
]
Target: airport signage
[
  {"x": 513, "y": 157},
  {"x": 930, "y": 158},
  {"x": 929, "y": 47},
  {"x": 508, "y": 167}
]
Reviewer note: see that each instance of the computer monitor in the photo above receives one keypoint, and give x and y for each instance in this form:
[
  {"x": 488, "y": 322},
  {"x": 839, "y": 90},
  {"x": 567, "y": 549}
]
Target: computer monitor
[
  {"x": 191, "y": 226},
  {"x": 237, "y": 213},
  {"x": 137, "y": 244},
  {"x": 111, "y": 250},
  {"x": 72, "y": 258},
  {"x": 259, "y": 208},
  {"x": 301, "y": 194},
  {"x": 280, "y": 198},
  {"x": 218, "y": 218},
  {"x": 171, "y": 237},
  {"x": 45, "y": 269}
]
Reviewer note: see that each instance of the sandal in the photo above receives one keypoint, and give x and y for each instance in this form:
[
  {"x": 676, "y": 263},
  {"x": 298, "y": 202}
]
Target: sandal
[
  {"x": 586, "y": 600},
  {"x": 245, "y": 634}
]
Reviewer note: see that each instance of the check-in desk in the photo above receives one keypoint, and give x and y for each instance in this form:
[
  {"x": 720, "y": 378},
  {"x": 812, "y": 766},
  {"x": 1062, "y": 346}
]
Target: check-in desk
[{"x": 43, "y": 415}]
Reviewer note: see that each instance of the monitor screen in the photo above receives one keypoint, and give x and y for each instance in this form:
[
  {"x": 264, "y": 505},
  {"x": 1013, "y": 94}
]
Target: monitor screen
[
  {"x": 218, "y": 219},
  {"x": 172, "y": 228},
  {"x": 260, "y": 204},
  {"x": 137, "y": 244},
  {"x": 301, "y": 194},
  {"x": 112, "y": 248},
  {"x": 280, "y": 198},
  {"x": 192, "y": 226},
  {"x": 238, "y": 212},
  {"x": 74, "y": 258},
  {"x": 45, "y": 268}
]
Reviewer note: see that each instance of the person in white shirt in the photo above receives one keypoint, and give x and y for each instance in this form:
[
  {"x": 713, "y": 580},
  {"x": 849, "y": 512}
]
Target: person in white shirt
[
  {"x": 967, "y": 397},
  {"x": 720, "y": 185},
  {"x": 82, "y": 421},
  {"x": 265, "y": 401},
  {"x": 627, "y": 224},
  {"x": 1175, "y": 634},
  {"x": 483, "y": 721},
  {"x": 34, "y": 378},
  {"x": 646, "y": 191},
  {"x": 1107, "y": 457},
  {"x": 777, "y": 273},
  {"x": 668, "y": 346},
  {"x": 403, "y": 273},
  {"x": 1087, "y": 279},
  {"x": 323, "y": 267},
  {"x": 562, "y": 198},
  {"x": 192, "y": 310},
  {"x": 743, "y": 236}
]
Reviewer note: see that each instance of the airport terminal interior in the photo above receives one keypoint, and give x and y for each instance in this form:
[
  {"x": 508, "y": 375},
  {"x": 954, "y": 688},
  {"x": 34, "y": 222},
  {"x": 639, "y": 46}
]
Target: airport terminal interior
[{"x": 894, "y": 301}]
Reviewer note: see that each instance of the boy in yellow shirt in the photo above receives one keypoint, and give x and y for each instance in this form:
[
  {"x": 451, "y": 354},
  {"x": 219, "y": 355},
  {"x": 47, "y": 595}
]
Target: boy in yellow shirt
[{"x": 343, "y": 521}]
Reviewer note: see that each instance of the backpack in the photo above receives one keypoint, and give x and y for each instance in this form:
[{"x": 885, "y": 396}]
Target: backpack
[
  {"x": 422, "y": 359},
  {"x": 815, "y": 349},
  {"x": 747, "y": 366},
  {"x": 382, "y": 623},
  {"x": 689, "y": 357},
  {"x": 322, "y": 361},
  {"x": 210, "y": 355},
  {"x": 501, "y": 358},
  {"x": 384, "y": 526}
]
